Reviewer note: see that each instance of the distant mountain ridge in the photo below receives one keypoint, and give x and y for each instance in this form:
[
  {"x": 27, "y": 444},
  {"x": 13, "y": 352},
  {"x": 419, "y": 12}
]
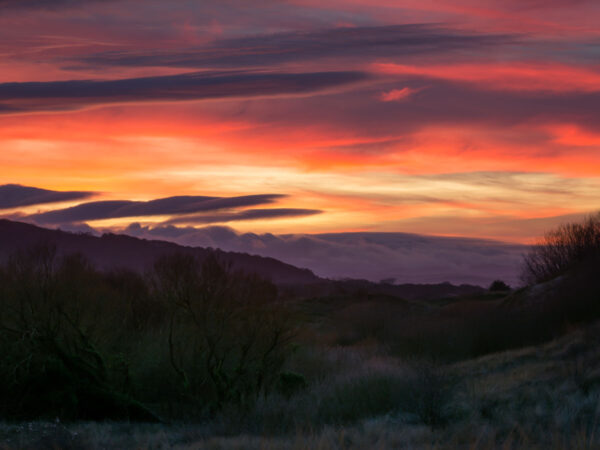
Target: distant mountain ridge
[
  {"x": 121, "y": 251},
  {"x": 111, "y": 251}
]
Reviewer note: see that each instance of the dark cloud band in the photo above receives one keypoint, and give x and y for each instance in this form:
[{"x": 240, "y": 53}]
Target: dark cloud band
[
  {"x": 165, "y": 206},
  {"x": 56, "y": 95},
  {"x": 14, "y": 196},
  {"x": 45, "y": 4},
  {"x": 251, "y": 214},
  {"x": 268, "y": 49}
]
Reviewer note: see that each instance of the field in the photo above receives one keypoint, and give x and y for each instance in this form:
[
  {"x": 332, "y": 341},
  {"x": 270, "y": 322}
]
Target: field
[{"x": 372, "y": 371}]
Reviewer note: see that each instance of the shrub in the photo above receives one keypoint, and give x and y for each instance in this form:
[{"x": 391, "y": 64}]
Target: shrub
[
  {"x": 562, "y": 249},
  {"x": 499, "y": 286},
  {"x": 570, "y": 256},
  {"x": 363, "y": 396},
  {"x": 77, "y": 343},
  {"x": 290, "y": 383},
  {"x": 431, "y": 393},
  {"x": 53, "y": 340}
]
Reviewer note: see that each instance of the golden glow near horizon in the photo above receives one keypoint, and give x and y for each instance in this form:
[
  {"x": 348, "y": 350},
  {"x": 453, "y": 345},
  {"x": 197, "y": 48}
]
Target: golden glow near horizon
[{"x": 496, "y": 123}]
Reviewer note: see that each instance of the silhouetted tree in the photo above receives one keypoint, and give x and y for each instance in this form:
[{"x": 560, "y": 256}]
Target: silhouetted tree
[
  {"x": 562, "y": 249},
  {"x": 228, "y": 336},
  {"x": 499, "y": 286}
]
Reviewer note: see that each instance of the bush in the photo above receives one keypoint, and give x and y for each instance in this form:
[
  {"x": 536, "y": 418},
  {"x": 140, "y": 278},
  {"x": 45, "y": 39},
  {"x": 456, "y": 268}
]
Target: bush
[
  {"x": 364, "y": 396},
  {"x": 570, "y": 257},
  {"x": 56, "y": 328},
  {"x": 77, "y": 343},
  {"x": 431, "y": 393},
  {"x": 562, "y": 249},
  {"x": 499, "y": 286},
  {"x": 421, "y": 389},
  {"x": 291, "y": 383}
]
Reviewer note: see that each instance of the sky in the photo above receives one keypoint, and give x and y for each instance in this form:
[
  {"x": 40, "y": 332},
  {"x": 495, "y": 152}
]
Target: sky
[{"x": 461, "y": 118}]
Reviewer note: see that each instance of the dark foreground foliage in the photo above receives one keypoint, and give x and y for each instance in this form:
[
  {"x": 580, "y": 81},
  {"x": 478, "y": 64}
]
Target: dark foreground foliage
[
  {"x": 499, "y": 286},
  {"x": 564, "y": 249},
  {"x": 194, "y": 341},
  {"x": 188, "y": 339}
]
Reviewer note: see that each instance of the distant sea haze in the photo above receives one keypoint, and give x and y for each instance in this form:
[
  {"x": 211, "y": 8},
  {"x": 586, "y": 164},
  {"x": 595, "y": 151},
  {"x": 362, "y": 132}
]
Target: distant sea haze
[{"x": 407, "y": 258}]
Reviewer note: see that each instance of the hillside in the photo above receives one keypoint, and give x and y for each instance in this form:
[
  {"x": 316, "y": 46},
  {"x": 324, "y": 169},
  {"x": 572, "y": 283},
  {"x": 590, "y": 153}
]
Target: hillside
[
  {"x": 364, "y": 367},
  {"x": 111, "y": 251},
  {"x": 537, "y": 397}
]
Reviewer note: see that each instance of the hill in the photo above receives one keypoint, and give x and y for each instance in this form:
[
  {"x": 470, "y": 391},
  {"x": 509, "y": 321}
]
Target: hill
[
  {"x": 111, "y": 251},
  {"x": 119, "y": 251}
]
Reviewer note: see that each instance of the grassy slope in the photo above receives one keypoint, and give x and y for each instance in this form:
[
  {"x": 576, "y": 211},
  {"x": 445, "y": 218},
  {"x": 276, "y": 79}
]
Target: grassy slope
[{"x": 538, "y": 397}]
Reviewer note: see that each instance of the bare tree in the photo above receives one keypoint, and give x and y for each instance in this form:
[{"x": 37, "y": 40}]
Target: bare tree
[
  {"x": 562, "y": 249},
  {"x": 228, "y": 335}
]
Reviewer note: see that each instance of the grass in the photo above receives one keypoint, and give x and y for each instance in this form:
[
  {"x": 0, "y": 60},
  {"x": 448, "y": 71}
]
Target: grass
[
  {"x": 539, "y": 397},
  {"x": 494, "y": 370}
]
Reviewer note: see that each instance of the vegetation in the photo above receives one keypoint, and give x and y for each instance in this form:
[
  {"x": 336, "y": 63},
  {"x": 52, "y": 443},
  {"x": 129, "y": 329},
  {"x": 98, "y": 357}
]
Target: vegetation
[
  {"x": 228, "y": 336},
  {"x": 219, "y": 359},
  {"x": 499, "y": 286},
  {"x": 563, "y": 249},
  {"x": 81, "y": 344},
  {"x": 533, "y": 398}
]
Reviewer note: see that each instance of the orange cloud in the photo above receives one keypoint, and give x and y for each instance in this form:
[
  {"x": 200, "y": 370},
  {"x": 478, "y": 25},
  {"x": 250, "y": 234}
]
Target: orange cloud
[
  {"x": 397, "y": 94},
  {"x": 573, "y": 135},
  {"x": 565, "y": 17},
  {"x": 514, "y": 76}
]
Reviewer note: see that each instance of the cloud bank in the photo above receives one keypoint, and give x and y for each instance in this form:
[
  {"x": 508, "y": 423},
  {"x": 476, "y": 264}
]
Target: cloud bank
[{"x": 408, "y": 258}]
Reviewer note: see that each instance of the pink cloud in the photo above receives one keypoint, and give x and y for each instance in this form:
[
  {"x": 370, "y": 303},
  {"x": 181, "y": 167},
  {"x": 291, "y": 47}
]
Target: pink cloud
[
  {"x": 514, "y": 76},
  {"x": 397, "y": 94}
]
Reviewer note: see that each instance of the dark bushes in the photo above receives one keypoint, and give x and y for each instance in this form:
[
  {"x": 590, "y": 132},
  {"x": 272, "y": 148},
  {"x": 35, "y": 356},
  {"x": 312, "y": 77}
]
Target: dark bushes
[
  {"x": 453, "y": 333},
  {"x": 568, "y": 261},
  {"x": 290, "y": 383},
  {"x": 421, "y": 389},
  {"x": 499, "y": 286},
  {"x": 57, "y": 328},
  {"x": 563, "y": 249},
  {"x": 77, "y": 343},
  {"x": 362, "y": 397}
]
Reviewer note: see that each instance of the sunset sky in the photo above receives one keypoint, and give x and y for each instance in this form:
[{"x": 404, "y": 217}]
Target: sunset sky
[{"x": 474, "y": 118}]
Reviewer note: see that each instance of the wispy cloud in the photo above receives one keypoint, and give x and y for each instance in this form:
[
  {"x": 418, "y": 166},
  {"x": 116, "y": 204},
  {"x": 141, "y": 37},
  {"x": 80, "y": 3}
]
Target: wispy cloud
[
  {"x": 165, "y": 206},
  {"x": 504, "y": 76},
  {"x": 73, "y": 94},
  {"x": 359, "y": 108},
  {"x": 373, "y": 42},
  {"x": 14, "y": 196},
  {"x": 45, "y": 4},
  {"x": 396, "y": 95},
  {"x": 250, "y": 214}
]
